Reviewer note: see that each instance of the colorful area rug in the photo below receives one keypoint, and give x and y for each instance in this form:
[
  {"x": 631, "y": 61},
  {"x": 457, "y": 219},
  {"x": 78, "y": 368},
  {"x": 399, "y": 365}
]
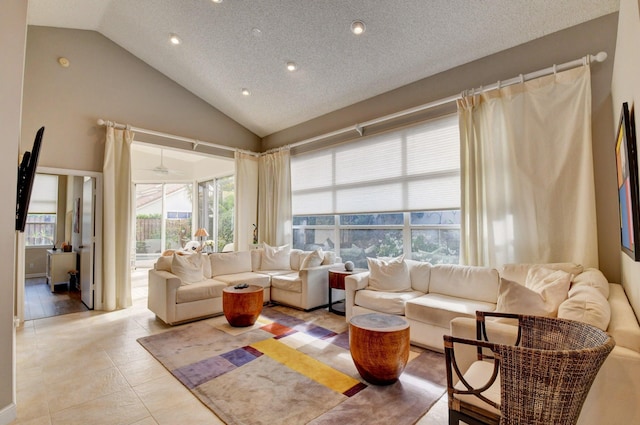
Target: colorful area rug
[{"x": 291, "y": 367}]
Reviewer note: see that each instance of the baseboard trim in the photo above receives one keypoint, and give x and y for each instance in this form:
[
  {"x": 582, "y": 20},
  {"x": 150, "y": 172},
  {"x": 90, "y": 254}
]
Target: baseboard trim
[
  {"x": 32, "y": 275},
  {"x": 8, "y": 414}
]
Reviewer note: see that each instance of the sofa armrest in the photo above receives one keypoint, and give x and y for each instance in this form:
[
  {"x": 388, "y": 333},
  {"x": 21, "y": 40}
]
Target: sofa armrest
[
  {"x": 353, "y": 283},
  {"x": 162, "y": 294}
]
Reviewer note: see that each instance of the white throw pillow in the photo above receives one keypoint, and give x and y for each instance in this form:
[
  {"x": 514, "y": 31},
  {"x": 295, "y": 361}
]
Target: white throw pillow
[
  {"x": 389, "y": 275},
  {"x": 593, "y": 278},
  {"x": 552, "y": 285},
  {"x": 314, "y": 259},
  {"x": 275, "y": 258},
  {"x": 586, "y": 304},
  {"x": 188, "y": 268}
]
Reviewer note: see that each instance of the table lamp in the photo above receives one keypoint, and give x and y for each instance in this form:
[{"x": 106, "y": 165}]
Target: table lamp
[{"x": 201, "y": 233}]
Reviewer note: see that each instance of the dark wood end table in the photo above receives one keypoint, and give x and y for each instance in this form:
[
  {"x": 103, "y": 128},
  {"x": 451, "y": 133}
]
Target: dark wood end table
[{"x": 336, "y": 281}]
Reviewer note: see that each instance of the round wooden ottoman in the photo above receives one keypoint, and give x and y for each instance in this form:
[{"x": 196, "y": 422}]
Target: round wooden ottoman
[
  {"x": 379, "y": 345},
  {"x": 242, "y": 306}
]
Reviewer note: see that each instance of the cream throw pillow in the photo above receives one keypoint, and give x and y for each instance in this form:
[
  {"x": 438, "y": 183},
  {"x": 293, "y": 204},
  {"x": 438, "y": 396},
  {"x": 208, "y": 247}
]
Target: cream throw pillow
[
  {"x": 542, "y": 294},
  {"x": 389, "y": 275},
  {"x": 314, "y": 259},
  {"x": 164, "y": 263},
  {"x": 275, "y": 258},
  {"x": 188, "y": 268}
]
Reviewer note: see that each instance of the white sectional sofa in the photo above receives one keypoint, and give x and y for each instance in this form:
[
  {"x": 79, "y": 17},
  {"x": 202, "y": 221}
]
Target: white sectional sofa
[
  {"x": 442, "y": 299},
  {"x": 188, "y": 287}
]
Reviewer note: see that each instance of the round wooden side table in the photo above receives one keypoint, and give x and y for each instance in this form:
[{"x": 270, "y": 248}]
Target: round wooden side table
[
  {"x": 242, "y": 306},
  {"x": 336, "y": 281},
  {"x": 379, "y": 345}
]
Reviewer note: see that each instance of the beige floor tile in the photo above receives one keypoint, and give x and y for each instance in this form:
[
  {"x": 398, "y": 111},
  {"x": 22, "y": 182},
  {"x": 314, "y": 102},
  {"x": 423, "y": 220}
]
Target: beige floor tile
[
  {"x": 31, "y": 402},
  {"x": 122, "y": 407},
  {"x": 42, "y": 420},
  {"x": 78, "y": 389},
  {"x": 74, "y": 364},
  {"x": 140, "y": 371},
  {"x": 189, "y": 411},
  {"x": 146, "y": 421},
  {"x": 162, "y": 392}
]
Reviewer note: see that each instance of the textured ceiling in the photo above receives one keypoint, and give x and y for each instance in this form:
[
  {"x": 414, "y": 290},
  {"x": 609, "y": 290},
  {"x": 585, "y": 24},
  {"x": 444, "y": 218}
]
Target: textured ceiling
[{"x": 222, "y": 52}]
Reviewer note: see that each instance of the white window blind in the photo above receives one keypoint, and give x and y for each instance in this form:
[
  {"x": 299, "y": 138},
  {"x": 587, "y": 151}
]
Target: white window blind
[
  {"x": 411, "y": 169},
  {"x": 44, "y": 194}
]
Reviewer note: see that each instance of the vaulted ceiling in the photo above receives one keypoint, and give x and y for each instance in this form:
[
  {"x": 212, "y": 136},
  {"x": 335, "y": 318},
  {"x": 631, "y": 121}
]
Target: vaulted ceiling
[{"x": 230, "y": 45}]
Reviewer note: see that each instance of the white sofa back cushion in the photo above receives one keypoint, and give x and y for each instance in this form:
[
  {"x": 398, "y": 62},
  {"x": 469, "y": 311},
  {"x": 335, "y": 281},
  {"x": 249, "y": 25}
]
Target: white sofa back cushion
[
  {"x": 188, "y": 267},
  {"x": 592, "y": 278},
  {"x": 164, "y": 263},
  {"x": 275, "y": 258},
  {"x": 470, "y": 282},
  {"x": 518, "y": 272},
  {"x": 223, "y": 263},
  {"x": 420, "y": 273},
  {"x": 296, "y": 256},
  {"x": 586, "y": 304}
]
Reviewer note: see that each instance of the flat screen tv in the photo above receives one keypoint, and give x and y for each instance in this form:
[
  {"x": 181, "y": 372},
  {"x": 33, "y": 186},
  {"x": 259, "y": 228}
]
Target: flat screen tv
[{"x": 26, "y": 175}]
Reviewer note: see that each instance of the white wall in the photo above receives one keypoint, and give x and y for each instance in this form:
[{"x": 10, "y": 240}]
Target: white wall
[
  {"x": 13, "y": 26},
  {"x": 625, "y": 87}
]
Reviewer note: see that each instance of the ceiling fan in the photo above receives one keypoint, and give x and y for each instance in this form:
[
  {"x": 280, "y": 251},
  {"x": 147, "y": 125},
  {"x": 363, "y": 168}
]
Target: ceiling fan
[{"x": 162, "y": 169}]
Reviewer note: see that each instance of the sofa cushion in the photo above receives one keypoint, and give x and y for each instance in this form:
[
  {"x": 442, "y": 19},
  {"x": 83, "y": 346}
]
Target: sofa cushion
[
  {"x": 439, "y": 310},
  {"x": 420, "y": 275},
  {"x": 223, "y": 263},
  {"x": 385, "y": 302},
  {"x": 312, "y": 259},
  {"x": 164, "y": 263},
  {"x": 203, "y": 290},
  {"x": 593, "y": 278},
  {"x": 329, "y": 258},
  {"x": 250, "y": 278},
  {"x": 289, "y": 282},
  {"x": 469, "y": 282},
  {"x": 389, "y": 275},
  {"x": 586, "y": 304},
  {"x": 518, "y": 272},
  {"x": 516, "y": 298},
  {"x": 187, "y": 267},
  {"x": 275, "y": 258}
]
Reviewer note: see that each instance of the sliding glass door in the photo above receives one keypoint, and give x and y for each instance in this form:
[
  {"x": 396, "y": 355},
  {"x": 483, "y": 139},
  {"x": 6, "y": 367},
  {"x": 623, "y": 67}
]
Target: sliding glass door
[{"x": 216, "y": 203}]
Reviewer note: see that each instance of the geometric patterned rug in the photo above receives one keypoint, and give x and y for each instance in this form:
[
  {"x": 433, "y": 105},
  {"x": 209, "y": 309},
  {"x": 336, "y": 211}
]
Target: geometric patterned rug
[{"x": 291, "y": 367}]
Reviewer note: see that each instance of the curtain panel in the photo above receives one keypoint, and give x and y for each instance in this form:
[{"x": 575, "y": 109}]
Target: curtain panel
[
  {"x": 274, "y": 198},
  {"x": 117, "y": 222},
  {"x": 246, "y": 198},
  {"x": 528, "y": 191}
]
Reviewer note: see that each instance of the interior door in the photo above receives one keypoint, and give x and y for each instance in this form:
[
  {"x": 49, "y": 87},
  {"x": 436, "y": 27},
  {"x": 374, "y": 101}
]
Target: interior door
[{"x": 87, "y": 248}]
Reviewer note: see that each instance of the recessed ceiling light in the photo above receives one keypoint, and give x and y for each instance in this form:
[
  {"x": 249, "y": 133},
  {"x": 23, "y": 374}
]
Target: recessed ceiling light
[
  {"x": 217, "y": 1},
  {"x": 292, "y": 66},
  {"x": 175, "y": 39},
  {"x": 357, "y": 27},
  {"x": 246, "y": 92}
]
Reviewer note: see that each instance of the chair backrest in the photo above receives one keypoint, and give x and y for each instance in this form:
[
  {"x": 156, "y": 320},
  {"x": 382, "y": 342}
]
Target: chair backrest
[{"x": 546, "y": 379}]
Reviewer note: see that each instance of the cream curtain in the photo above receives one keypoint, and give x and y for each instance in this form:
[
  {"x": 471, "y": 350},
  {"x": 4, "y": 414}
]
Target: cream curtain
[
  {"x": 246, "y": 197},
  {"x": 274, "y": 198},
  {"x": 117, "y": 225},
  {"x": 527, "y": 173}
]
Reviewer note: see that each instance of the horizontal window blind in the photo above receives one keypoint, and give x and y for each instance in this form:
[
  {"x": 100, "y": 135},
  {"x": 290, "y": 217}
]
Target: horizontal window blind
[
  {"x": 44, "y": 194},
  {"x": 415, "y": 168}
]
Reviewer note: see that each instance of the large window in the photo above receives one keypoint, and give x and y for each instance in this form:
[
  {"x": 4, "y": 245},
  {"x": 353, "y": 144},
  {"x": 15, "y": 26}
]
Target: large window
[
  {"x": 432, "y": 236},
  {"x": 382, "y": 196},
  {"x": 216, "y": 202},
  {"x": 40, "y": 228}
]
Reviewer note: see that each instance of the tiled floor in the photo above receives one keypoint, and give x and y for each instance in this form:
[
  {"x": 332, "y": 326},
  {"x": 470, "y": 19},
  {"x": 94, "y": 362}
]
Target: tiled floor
[
  {"x": 40, "y": 302},
  {"x": 87, "y": 368}
]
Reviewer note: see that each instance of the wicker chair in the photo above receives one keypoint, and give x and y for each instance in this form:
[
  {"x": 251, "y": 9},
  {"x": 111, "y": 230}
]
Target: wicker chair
[{"x": 542, "y": 379}]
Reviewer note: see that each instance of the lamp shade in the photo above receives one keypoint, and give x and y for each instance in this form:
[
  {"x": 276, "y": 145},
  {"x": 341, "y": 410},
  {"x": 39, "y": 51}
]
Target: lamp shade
[{"x": 201, "y": 232}]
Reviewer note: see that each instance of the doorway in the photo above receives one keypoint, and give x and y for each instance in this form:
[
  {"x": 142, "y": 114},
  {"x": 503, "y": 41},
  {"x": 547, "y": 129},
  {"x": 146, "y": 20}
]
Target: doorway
[{"x": 76, "y": 221}]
